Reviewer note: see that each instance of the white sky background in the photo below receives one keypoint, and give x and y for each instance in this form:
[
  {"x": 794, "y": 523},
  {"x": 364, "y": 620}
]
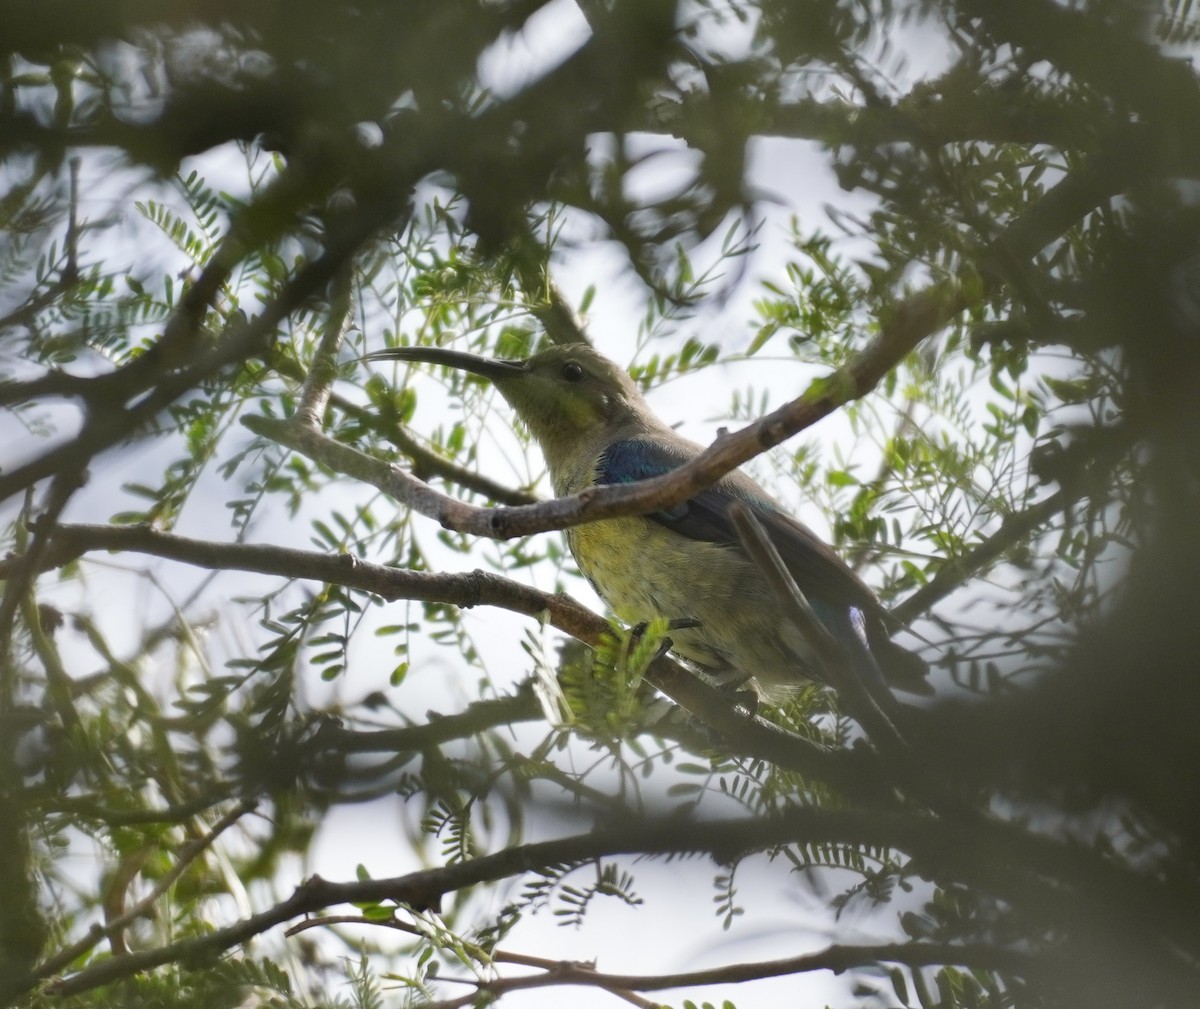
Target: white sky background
[{"x": 678, "y": 928}]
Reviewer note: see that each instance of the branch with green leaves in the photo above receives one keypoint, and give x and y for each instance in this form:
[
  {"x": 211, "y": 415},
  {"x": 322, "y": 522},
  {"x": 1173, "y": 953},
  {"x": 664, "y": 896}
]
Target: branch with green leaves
[
  {"x": 1031, "y": 867},
  {"x": 742, "y": 732}
]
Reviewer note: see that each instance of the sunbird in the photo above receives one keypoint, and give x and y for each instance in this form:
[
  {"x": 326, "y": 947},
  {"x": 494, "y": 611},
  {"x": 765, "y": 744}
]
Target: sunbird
[{"x": 685, "y": 564}]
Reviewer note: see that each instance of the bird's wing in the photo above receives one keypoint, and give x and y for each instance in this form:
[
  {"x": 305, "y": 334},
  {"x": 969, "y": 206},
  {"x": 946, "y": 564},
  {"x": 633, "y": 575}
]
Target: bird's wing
[
  {"x": 821, "y": 574},
  {"x": 841, "y": 599}
]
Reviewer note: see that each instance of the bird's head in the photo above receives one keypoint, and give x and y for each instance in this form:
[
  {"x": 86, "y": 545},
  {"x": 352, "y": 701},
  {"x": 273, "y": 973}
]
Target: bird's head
[{"x": 565, "y": 395}]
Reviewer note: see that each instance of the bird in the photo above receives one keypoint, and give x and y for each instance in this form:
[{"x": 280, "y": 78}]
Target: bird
[{"x": 685, "y": 564}]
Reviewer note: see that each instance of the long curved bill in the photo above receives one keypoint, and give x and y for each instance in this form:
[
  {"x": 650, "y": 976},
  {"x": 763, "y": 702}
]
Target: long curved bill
[{"x": 489, "y": 367}]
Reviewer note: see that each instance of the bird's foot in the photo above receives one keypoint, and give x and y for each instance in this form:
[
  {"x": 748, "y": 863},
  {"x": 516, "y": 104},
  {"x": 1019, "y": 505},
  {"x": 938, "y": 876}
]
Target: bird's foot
[{"x": 674, "y": 624}]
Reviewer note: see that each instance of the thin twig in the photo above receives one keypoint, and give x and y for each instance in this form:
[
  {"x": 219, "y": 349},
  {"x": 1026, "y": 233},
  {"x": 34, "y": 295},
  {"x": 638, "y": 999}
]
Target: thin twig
[
  {"x": 837, "y": 959},
  {"x": 543, "y": 296},
  {"x": 36, "y": 535},
  {"x": 1013, "y": 530},
  {"x": 496, "y": 956},
  {"x": 425, "y": 462},
  {"x": 322, "y": 372},
  {"x": 187, "y": 855}
]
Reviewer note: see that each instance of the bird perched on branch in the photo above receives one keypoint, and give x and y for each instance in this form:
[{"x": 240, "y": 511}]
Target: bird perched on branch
[{"x": 683, "y": 562}]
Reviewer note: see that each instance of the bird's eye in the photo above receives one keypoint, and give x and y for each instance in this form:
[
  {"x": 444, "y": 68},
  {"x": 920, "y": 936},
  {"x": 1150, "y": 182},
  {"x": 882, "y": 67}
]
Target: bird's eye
[{"x": 573, "y": 372}]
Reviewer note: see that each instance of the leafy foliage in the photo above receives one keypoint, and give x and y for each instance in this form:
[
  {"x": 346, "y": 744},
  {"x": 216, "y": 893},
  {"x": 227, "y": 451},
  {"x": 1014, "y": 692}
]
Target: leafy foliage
[{"x": 206, "y": 221}]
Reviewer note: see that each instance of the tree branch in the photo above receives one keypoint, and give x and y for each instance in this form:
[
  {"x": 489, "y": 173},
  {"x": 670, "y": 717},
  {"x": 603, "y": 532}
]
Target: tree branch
[
  {"x": 531, "y": 258},
  {"x": 939, "y": 112},
  {"x": 911, "y": 321},
  {"x": 837, "y": 959},
  {"x": 1031, "y": 866},
  {"x": 1013, "y": 529},
  {"x": 853, "y": 772},
  {"x": 424, "y": 461},
  {"x": 322, "y": 372},
  {"x": 476, "y": 717},
  {"x": 915, "y": 319},
  {"x": 186, "y": 856}
]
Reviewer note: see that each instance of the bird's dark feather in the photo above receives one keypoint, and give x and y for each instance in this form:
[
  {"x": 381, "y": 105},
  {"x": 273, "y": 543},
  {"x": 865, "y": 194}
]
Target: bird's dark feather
[
  {"x": 831, "y": 587},
  {"x": 818, "y": 571}
]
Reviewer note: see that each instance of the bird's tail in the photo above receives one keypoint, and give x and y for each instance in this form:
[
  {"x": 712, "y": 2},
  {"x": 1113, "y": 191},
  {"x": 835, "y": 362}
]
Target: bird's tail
[{"x": 903, "y": 670}]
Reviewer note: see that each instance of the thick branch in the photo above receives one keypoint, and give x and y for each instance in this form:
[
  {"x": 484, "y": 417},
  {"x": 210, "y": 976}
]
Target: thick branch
[
  {"x": 915, "y": 319},
  {"x": 1017, "y": 870},
  {"x": 908, "y": 324},
  {"x": 854, "y": 772}
]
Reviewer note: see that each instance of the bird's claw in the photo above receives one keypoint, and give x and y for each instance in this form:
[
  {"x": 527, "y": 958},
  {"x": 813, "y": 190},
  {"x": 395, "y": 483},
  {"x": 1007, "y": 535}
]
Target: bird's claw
[
  {"x": 637, "y": 630},
  {"x": 674, "y": 624}
]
